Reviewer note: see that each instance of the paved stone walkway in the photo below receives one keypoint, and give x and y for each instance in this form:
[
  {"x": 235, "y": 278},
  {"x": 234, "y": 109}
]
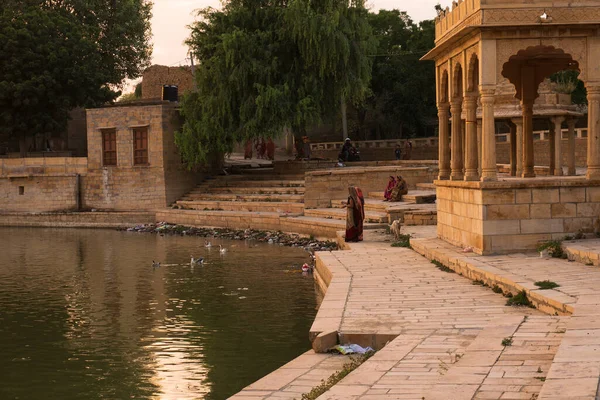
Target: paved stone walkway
[
  {"x": 445, "y": 334},
  {"x": 298, "y": 376}
]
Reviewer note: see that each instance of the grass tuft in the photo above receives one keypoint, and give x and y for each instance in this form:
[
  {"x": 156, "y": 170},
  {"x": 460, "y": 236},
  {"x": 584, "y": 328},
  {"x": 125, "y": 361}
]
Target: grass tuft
[
  {"x": 520, "y": 300},
  {"x": 508, "y": 341},
  {"x": 336, "y": 377},
  {"x": 554, "y": 248},
  {"x": 442, "y": 267},
  {"x": 546, "y": 285},
  {"x": 403, "y": 241}
]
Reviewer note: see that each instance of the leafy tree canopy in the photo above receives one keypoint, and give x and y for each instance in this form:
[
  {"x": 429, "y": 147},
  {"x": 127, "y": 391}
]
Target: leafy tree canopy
[
  {"x": 402, "y": 87},
  {"x": 59, "y": 54},
  {"x": 265, "y": 65}
]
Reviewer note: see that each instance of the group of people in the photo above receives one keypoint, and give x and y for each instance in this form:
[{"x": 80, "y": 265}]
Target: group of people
[
  {"x": 396, "y": 188},
  {"x": 355, "y": 216},
  {"x": 264, "y": 149},
  {"x": 407, "y": 151}
]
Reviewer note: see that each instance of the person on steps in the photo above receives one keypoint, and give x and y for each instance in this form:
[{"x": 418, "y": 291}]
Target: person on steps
[
  {"x": 399, "y": 190},
  {"x": 388, "y": 190},
  {"x": 355, "y": 215}
]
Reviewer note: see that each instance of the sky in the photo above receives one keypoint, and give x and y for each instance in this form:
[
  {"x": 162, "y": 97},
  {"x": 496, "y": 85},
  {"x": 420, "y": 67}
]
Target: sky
[{"x": 171, "y": 18}]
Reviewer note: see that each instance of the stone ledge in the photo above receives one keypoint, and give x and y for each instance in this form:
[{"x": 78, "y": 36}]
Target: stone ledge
[{"x": 550, "y": 302}]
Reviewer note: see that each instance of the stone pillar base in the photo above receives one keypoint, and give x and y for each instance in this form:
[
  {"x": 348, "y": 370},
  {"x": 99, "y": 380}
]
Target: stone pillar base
[{"x": 514, "y": 215}]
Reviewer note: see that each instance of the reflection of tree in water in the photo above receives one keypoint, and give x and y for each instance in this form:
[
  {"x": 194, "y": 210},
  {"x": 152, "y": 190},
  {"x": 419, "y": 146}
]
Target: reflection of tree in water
[
  {"x": 259, "y": 333},
  {"x": 88, "y": 317}
]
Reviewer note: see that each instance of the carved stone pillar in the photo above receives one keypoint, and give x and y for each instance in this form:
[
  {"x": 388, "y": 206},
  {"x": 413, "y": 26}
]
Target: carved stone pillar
[
  {"x": 551, "y": 147},
  {"x": 519, "y": 144},
  {"x": 479, "y": 134},
  {"x": 513, "y": 149},
  {"x": 471, "y": 156},
  {"x": 571, "y": 151},
  {"x": 593, "y": 151},
  {"x": 488, "y": 137},
  {"x": 444, "y": 141},
  {"x": 558, "y": 165},
  {"x": 528, "y": 171},
  {"x": 457, "y": 153}
]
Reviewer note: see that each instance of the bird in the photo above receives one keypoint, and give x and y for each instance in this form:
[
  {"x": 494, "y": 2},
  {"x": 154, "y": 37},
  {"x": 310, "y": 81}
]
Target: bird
[
  {"x": 155, "y": 264},
  {"x": 207, "y": 244},
  {"x": 222, "y": 250},
  {"x": 196, "y": 261}
]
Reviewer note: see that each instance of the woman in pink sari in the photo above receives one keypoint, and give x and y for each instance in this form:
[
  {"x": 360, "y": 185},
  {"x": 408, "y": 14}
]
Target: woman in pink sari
[
  {"x": 355, "y": 216},
  {"x": 390, "y": 187}
]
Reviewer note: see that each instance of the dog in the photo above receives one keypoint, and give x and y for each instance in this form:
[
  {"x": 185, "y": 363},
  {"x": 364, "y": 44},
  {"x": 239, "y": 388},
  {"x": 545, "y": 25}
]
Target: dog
[{"x": 395, "y": 229}]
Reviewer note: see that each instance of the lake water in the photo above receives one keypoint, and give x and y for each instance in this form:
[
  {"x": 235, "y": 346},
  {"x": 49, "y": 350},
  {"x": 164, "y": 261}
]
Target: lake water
[{"x": 84, "y": 315}]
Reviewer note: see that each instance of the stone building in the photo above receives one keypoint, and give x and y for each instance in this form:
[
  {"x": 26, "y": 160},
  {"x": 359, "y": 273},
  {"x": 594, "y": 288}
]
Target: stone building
[
  {"x": 483, "y": 48},
  {"x": 132, "y": 164},
  {"x": 156, "y": 76}
]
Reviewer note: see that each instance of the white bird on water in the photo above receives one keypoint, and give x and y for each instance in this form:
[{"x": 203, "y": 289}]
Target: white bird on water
[
  {"x": 222, "y": 249},
  {"x": 207, "y": 244},
  {"x": 196, "y": 261},
  {"x": 155, "y": 264}
]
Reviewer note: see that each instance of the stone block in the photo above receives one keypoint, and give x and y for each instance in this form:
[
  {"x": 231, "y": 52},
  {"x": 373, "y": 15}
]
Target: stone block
[
  {"x": 510, "y": 243},
  {"x": 592, "y": 194},
  {"x": 542, "y": 226},
  {"x": 574, "y": 225},
  {"x": 588, "y": 209},
  {"x": 503, "y": 212},
  {"x": 540, "y": 211},
  {"x": 572, "y": 195},
  {"x": 498, "y": 196},
  {"x": 325, "y": 341},
  {"x": 509, "y": 227},
  {"x": 564, "y": 210},
  {"x": 545, "y": 195},
  {"x": 523, "y": 196}
]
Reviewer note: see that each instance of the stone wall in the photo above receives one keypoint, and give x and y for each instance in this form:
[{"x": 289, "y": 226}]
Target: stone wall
[
  {"x": 324, "y": 186},
  {"x": 38, "y": 193},
  {"x": 301, "y": 167},
  {"x": 77, "y": 219},
  {"x": 504, "y": 217},
  {"x": 156, "y": 76}
]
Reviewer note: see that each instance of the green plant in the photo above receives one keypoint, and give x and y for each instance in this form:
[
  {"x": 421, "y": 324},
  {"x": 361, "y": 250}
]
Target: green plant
[
  {"x": 442, "y": 267},
  {"x": 546, "y": 285},
  {"x": 539, "y": 370},
  {"x": 553, "y": 247},
  {"x": 541, "y": 378},
  {"x": 497, "y": 289},
  {"x": 507, "y": 341},
  {"x": 325, "y": 385},
  {"x": 519, "y": 300},
  {"x": 403, "y": 241},
  {"x": 479, "y": 282}
]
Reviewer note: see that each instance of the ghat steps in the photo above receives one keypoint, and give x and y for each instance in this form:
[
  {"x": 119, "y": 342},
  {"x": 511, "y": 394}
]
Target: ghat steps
[{"x": 257, "y": 198}]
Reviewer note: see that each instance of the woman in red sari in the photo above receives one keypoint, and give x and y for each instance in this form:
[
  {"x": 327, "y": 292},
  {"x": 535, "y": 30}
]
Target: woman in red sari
[
  {"x": 355, "y": 216},
  {"x": 390, "y": 187}
]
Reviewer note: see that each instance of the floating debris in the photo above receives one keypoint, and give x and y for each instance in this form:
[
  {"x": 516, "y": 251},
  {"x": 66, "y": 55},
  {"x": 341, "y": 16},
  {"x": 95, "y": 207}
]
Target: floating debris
[{"x": 309, "y": 244}]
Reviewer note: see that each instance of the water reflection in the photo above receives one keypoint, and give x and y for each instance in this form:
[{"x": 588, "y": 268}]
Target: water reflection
[{"x": 84, "y": 315}]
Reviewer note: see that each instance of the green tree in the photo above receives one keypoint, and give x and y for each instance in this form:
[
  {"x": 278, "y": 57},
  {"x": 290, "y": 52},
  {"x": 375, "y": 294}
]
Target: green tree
[
  {"x": 266, "y": 65},
  {"x": 402, "y": 87},
  {"x": 56, "y": 55}
]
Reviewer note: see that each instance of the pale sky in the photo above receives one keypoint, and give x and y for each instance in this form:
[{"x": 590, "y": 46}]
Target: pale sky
[{"x": 171, "y": 18}]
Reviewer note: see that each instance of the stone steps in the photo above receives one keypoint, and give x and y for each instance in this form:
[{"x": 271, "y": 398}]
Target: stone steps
[
  {"x": 336, "y": 224},
  {"x": 340, "y": 214},
  {"x": 250, "y": 190},
  {"x": 255, "y": 206},
  {"x": 413, "y": 196},
  {"x": 236, "y": 183},
  {"x": 586, "y": 252},
  {"x": 299, "y": 198}
]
